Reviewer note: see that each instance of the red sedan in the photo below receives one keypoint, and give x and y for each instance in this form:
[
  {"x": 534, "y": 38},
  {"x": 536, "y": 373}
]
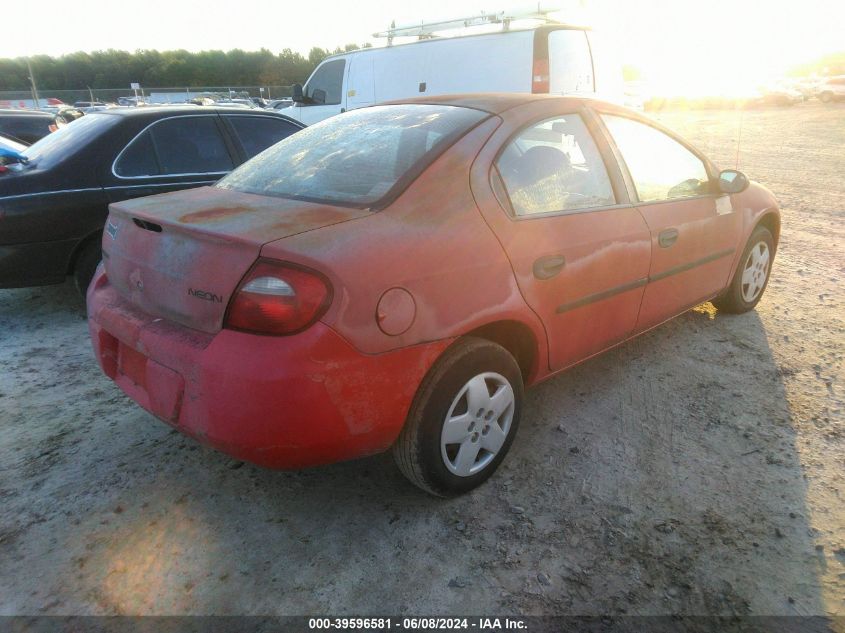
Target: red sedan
[{"x": 394, "y": 277}]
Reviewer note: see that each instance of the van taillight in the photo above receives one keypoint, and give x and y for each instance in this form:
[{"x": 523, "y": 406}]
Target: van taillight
[
  {"x": 276, "y": 298},
  {"x": 540, "y": 76}
]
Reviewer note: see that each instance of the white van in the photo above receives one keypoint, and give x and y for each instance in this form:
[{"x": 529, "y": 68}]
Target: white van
[{"x": 553, "y": 58}]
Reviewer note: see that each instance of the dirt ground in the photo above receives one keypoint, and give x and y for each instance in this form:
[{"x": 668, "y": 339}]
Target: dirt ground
[{"x": 696, "y": 470}]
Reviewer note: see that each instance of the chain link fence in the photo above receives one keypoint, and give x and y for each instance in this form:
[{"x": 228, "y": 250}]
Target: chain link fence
[{"x": 173, "y": 94}]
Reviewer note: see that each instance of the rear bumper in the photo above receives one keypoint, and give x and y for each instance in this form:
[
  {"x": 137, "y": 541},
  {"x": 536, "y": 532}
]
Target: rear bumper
[{"x": 281, "y": 402}]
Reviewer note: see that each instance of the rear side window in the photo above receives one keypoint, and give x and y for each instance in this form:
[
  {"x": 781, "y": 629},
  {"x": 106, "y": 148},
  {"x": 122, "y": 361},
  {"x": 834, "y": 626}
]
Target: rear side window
[
  {"x": 175, "y": 146},
  {"x": 258, "y": 133},
  {"x": 139, "y": 159},
  {"x": 355, "y": 158},
  {"x": 329, "y": 79},
  {"x": 554, "y": 166}
]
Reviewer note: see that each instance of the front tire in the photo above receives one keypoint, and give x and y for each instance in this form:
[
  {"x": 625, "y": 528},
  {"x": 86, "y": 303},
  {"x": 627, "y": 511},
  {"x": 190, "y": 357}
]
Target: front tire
[
  {"x": 463, "y": 419},
  {"x": 752, "y": 275}
]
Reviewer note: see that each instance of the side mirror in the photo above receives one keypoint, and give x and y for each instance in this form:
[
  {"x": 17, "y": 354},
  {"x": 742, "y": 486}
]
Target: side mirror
[
  {"x": 318, "y": 96},
  {"x": 297, "y": 93},
  {"x": 732, "y": 181}
]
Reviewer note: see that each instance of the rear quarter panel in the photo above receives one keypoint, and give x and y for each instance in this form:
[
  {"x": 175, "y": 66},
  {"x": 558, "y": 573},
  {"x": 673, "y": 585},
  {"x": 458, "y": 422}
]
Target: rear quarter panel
[{"x": 432, "y": 242}]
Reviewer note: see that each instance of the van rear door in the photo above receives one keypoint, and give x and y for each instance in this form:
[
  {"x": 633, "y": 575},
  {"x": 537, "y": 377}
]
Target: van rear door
[
  {"x": 570, "y": 62},
  {"x": 607, "y": 67}
]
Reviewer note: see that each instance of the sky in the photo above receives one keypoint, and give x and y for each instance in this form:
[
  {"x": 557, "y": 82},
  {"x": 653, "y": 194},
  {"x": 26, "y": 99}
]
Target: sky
[{"x": 685, "y": 44}]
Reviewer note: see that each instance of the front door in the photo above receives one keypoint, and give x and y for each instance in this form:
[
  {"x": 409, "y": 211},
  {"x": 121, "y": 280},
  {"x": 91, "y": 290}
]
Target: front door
[
  {"x": 580, "y": 257},
  {"x": 323, "y": 94},
  {"x": 694, "y": 232}
]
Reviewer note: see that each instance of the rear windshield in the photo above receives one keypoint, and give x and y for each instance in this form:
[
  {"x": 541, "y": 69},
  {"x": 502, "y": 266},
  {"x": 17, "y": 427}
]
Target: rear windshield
[
  {"x": 68, "y": 139},
  {"x": 357, "y": 158}
]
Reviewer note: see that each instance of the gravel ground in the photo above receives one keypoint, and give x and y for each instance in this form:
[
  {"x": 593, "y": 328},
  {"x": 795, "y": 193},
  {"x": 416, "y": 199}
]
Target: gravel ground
[{"x": 695, "y": 470}]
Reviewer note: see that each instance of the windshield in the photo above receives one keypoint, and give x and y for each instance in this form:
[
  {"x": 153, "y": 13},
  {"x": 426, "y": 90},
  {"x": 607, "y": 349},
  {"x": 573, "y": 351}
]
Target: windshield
[
  {"x": 68, "y": 139},
  {"x": 355, "y": 158}
]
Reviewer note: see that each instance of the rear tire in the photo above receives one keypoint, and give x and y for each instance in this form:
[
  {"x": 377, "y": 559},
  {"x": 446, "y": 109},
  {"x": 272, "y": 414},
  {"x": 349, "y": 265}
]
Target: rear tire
[
  {"x": 463, "y": 419},
  {"x": 752, "y": 274},
  {"x": 826, "y": 97},
  {"x": 86, "y": 265}
]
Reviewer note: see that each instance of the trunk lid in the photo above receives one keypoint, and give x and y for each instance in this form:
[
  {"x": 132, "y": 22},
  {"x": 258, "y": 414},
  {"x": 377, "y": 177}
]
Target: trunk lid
[{"x": 180, "y": 256}]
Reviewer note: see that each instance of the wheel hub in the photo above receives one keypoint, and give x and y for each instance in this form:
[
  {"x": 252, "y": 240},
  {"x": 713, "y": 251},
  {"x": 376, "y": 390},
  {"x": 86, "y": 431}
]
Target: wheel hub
[
  {"x": 477, "y": 424},
  {"x": 755, "y": 272}
]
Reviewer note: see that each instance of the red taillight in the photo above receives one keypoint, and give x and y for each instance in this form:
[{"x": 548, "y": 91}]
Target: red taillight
[
  {"x": 276, "y": 298},
  {"x": 540, "y": 76}
]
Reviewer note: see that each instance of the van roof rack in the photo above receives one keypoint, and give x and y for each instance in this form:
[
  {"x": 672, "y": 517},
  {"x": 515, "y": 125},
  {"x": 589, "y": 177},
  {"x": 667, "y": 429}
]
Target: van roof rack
[{"x": 426, "y": 30}]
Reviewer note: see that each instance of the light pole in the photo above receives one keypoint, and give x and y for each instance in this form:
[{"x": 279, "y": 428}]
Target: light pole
[{"x": 32, "y": 85}]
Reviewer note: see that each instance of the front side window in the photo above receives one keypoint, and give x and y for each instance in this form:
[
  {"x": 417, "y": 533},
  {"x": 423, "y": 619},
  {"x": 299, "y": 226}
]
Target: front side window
[
  {"x": 356, "y": 158},
  {"x": 554, "y": 166},
  {"x": 328, "y": 78},
  {"x": 175, "y": 146},
  {"x": 661, "y": 168}
]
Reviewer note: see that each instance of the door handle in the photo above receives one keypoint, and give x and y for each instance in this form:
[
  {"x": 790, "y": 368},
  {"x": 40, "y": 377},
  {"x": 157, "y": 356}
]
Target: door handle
[
  {"x": 667, "y": 238},
  {"x": 548, "y": 267}
]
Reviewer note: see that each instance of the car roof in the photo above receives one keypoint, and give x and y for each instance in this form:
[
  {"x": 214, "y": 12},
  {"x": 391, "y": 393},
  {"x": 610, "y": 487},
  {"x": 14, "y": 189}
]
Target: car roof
[
  {"x": 21, "y": 112},
  {"x": 157, "y": 112},
  {"x": 498, "y": 102},
  {"x": 180, "y": 109}
]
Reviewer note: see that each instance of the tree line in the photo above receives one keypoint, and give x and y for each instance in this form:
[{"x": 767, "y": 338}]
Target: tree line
[
  {"x": 117, "y": 69},
  {"x": 181, "y": 68}
]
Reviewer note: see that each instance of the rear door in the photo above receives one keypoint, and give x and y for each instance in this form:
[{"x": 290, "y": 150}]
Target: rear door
[
  {"x": 580, "y": 251},
  {"x": 170, "y": 154},
  {"x": 694, "y": 230}
]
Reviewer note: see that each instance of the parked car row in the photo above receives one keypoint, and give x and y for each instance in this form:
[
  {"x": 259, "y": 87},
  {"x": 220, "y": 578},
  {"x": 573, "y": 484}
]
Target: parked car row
[
  {"x": 832, "y": 89},
  {"x": 54, "y": 206},
  {"x": 27, "y": 126}
]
